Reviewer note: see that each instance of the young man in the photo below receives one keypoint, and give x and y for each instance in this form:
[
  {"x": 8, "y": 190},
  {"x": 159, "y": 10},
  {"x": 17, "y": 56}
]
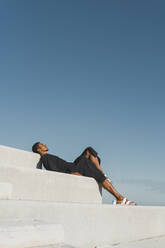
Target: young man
[{"x": 87, "y": 164}]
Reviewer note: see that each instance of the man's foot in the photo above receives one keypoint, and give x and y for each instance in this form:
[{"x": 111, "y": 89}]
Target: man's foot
[{"x": 124, "y": 202}]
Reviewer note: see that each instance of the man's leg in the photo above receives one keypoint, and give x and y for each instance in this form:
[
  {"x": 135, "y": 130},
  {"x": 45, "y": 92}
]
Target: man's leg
[
  {"x": 95, "y": 161},
  {"x": 87, "y": 168},
  {"x": 109, "y": 187},
  {"x": 106, "y": 183},
  {"x": 76, "y": 173}
]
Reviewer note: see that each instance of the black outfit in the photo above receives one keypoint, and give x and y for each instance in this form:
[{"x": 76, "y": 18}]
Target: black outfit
[
  {"x": 54, "y": 163},
  {"x": 81, "y": 165},
  {"x": 88, "y": 169}
]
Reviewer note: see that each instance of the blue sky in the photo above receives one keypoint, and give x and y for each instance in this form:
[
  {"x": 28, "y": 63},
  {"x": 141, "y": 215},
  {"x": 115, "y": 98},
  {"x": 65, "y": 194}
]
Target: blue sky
[{"x": 77, "y": 73}]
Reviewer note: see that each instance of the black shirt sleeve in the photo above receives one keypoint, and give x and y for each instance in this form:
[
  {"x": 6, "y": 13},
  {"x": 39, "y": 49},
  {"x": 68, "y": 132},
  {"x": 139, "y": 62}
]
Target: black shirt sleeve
[{"x": 39, "y": 164}]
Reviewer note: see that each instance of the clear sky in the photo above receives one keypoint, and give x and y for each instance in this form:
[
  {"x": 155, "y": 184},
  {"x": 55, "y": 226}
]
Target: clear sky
[{"x": 77, "y": 73}]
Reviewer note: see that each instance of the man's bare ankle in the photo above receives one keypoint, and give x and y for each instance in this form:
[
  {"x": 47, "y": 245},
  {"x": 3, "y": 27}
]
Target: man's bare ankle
[{"x": 120, "y": 198}]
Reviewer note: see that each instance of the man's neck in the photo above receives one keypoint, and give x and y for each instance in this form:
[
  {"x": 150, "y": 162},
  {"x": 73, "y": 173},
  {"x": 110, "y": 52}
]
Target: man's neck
[{"x": 43, "y": 153}]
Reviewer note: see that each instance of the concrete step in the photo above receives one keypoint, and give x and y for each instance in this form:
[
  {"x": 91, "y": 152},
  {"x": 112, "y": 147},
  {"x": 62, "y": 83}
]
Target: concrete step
[
  {"x": 18, "y": 158},
  {"x": 156, "y": 242},
  {"x": 28, "y": 184},
  {"x": 60, "y": 245},
  {"x": 5, "y": 191},
  {"x": 90, "y": 225},
  {"x": 25, "y": 182},
  {"x": 152, "y": 242},
  {"x": 20, "y": 234}
]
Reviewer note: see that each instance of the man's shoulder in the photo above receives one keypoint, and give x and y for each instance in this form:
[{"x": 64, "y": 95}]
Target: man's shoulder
[
  {"x": 48, "y": 155},
  {"x": 51, "y": 156}
]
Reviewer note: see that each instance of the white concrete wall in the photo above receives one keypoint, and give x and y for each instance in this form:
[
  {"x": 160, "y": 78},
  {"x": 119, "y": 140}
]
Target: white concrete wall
[
  {"x": 18, "y": 169},
  {"x": 17, "y": 234},
  {"x": 28, "y": 184},
  {"x": 5, "y": 191},
  {"x": 84, "y": 225},
  {"x": 90, "y": 225},
  {"x": 18, "y": 158}
]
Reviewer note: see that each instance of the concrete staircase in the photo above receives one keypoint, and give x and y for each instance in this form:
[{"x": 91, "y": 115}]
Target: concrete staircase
[
  {"x": 45, "y": 209},
  {"x": 20, "y": 180}
]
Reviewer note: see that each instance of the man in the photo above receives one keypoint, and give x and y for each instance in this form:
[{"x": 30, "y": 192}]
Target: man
[{"x": 87, "y": 164}]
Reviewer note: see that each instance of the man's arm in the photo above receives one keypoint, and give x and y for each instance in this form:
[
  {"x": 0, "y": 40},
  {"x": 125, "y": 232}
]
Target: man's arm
[
  {"x": 39, "y": 164},
  {"x": 95, "y": 161}
]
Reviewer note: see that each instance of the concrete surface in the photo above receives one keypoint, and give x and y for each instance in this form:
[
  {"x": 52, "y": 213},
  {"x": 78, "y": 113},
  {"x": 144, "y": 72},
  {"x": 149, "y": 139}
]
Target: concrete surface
[
  {"x": 152, "y": 242},
  {"x": 90, "y": 225},
  {"x": 18, "y": 158},
  {"x": 158, "y": 242},
  {"x": 45, "y": 209},
  {"x": 19, "y": 234},
  {"x": 5, "y": 191},
  {"x": 60, "y": 245},
  {"x": 28, "y": 184},
  {"x": 18, "y": 168}
]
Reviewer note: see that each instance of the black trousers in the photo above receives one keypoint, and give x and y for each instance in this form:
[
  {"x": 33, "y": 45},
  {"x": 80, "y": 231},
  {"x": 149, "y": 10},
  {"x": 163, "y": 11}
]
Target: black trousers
[{"x": 88, "y": 169}]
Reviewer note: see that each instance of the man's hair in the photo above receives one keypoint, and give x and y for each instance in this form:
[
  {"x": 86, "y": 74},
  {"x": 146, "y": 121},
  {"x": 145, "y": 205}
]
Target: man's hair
[{"x": 35, "y": 147}]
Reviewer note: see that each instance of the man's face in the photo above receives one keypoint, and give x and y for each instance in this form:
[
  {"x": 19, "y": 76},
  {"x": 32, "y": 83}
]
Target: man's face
[{"x": 42, "y": 148}]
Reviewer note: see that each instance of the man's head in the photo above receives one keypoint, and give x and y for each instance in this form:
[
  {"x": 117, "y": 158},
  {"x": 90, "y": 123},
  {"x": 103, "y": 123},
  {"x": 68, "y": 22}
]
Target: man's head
[{"x": 40, "y": 148}]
